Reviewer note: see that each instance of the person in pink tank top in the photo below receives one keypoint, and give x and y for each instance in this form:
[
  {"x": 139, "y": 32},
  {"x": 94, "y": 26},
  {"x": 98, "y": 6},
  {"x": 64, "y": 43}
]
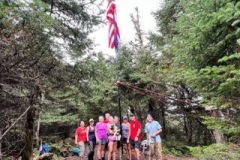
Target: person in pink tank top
[{"x": 112, "y": 143}]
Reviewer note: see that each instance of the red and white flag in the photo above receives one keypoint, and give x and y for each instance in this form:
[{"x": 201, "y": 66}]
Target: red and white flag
[{"x": 113, "y": 32}]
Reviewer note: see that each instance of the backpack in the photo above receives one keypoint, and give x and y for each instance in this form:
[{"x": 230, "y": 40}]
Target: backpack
[
  {"x": 44, "y": 149},
  {"x": 75, "y": 151}
]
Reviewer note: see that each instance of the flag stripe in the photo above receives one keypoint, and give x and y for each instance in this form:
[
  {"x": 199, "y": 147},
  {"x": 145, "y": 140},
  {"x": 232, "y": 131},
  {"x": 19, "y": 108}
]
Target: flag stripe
[{"x": 113, "y": 32}]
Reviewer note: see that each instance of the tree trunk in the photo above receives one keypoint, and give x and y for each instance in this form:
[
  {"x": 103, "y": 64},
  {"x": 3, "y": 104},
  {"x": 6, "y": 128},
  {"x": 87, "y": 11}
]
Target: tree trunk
[
  {"x": 185, "y": 125},
  {"x": 163, "y": 122},
  {"x": 190, "y": 130},
  {"x": 28, "y": 150},
  {"x": 38, "y": 129},
  {"x": 0, "y": 145},
  {"x": 219, "y": 138}
]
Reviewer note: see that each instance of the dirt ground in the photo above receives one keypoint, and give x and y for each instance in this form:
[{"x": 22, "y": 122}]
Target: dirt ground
[{"x": 165, "y": 157}]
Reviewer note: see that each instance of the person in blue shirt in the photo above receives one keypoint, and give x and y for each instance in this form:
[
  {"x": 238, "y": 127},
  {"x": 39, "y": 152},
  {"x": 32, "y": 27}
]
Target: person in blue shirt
[{"x": 153, "y": 130}]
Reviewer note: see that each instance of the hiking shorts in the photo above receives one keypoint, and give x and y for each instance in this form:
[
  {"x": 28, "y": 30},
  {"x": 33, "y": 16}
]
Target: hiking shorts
[
  {"x": 102, "y": 141},
  {"x": 135, "y": 144}
]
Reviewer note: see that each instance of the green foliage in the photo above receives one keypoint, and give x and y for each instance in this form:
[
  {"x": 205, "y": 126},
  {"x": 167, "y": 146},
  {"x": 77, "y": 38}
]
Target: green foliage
[
  {"x": 199, "y": 41},
  {"x": 174, "y": 147},
  {"x": 225, "y": 126},
  {"x": 194, "y": 56},
  {"x": 209, "y": 36},
  {"x": 60, "y": 115},
  {"x": 216, "y": 152},
  {"x": 35, "y": 36}
]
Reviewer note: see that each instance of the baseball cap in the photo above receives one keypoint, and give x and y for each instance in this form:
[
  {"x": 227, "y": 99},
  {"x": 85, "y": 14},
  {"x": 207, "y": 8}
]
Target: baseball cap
[
  {"x": 149, "y": 115},
  {"x": 91, "y": 120},
  {"x": 132, "y": 114},
  {"x": 125, "y": 117}
]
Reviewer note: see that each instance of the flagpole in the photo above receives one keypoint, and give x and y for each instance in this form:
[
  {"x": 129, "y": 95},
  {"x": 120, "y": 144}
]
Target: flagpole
[
  {"x": 114, "y": 38},
  {"x": 120, "y": 114},
  {"x": 119, "y": 94}
]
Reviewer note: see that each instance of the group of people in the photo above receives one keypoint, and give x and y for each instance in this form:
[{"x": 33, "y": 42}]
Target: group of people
[{"x": 109, "y": 133}]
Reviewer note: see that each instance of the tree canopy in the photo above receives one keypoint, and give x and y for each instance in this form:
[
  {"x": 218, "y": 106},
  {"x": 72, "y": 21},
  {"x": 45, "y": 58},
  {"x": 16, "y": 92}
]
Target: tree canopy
[{"x": 185, "y": 73}]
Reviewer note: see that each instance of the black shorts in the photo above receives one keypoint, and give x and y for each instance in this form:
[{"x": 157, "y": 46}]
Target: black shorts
[
  {"x": 106, "y": 145},
  {"x": 135, "y": 144},
  {"x": 118, "y": 144},
  {"x": 124, "y": 140}
]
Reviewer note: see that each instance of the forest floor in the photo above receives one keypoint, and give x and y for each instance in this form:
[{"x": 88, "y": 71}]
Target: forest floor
[{"x": 166, "y": 157}]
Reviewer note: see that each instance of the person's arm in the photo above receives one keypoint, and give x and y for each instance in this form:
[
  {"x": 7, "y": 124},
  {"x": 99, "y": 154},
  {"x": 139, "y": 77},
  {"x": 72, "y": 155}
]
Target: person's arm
[
  {"x": 96, "y": 133},
  {"x": 129, "y": 130},
  {"x": 158, "y": 131},
  {"x": 87, "y": 134},
  {"x": 138, "y": 132},
  {"x": 76, "y": 136}
]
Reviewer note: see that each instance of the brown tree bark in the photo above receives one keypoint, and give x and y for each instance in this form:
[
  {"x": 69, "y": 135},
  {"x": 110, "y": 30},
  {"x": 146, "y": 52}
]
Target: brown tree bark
[
  {"x": 163, "y": 123},
  {"x": 28, "y": 150},
  {"x": 27, "y": 153},
  {"x": 38, "y": 129},
  {"x": 219, "y": 138},
  {"x": 0, "y": 144}
]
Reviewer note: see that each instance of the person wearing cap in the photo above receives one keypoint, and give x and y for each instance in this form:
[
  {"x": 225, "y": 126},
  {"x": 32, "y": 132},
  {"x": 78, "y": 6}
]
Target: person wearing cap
[
  {"x": 153, "y": 130},
  {"x": 126, "y": 130},
  {"x": 91, "y": 138},
  {"x": 135, "y": 127},
  {"x": 81, "y": 138}
]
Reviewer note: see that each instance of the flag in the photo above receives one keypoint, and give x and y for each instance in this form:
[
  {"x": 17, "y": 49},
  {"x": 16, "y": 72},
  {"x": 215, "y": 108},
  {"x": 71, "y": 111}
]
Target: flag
[{"x": 113, "y": 32}]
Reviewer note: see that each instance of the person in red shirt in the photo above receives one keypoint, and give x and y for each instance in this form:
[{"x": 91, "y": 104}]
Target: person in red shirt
[
  {"x": 81, "y": 138},
  {"x": 107, "y": 116},
  {"x": 135, "y": 127}
]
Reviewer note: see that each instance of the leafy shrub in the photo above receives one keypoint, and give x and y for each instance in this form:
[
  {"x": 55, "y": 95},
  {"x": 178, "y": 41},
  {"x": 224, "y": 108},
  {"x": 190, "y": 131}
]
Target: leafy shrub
[
  {"x": 175, "y": 148},
  {"x": 216, "y": 152}
]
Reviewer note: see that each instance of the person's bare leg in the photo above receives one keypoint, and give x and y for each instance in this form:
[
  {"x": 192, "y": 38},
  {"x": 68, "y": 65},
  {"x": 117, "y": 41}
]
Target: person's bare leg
[
  {"x": 126, "y": 149},
  {"x": 99, "y": 151},
  {"x": 103, "y": 151},
  {"x": 120, "y": 153},
  {"x": 110, "y": 150},
  {"x": 114, "y": 150},
  {"x": 137, "y": 153},
  {"x": 129, "y": 151}
]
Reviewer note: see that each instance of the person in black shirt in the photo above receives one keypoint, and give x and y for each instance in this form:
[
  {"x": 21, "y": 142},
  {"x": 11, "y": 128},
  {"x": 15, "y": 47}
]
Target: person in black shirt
[{"x": 91, "y": 139}]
